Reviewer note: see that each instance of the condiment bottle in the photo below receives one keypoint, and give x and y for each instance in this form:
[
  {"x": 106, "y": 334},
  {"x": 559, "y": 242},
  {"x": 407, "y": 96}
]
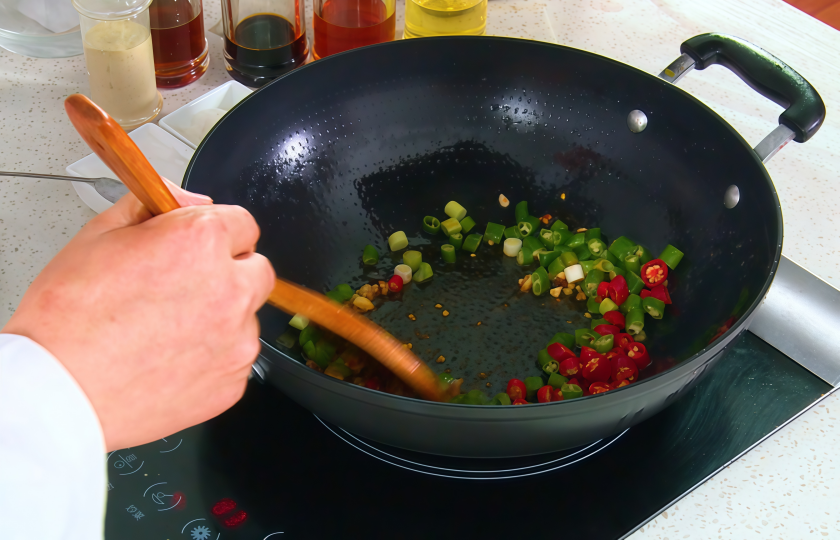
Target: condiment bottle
[
  {"x": 178, "y": 42},
  {"x": 118, "y": 52}
]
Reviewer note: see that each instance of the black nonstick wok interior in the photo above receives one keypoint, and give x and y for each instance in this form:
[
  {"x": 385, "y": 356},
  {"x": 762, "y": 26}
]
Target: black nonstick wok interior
[{"x": 343, "y": 152}]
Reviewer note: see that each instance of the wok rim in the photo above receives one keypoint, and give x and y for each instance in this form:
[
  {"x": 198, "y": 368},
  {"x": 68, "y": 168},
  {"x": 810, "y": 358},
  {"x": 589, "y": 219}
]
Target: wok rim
[{"x": 707, "y": 353}]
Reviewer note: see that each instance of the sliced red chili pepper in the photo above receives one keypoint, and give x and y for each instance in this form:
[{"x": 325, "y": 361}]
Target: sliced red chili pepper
[
  {"x": 516, "y": 389},
  {"x": 587, "y": 353},
  {"x": 616, "y": 318},
  {"x": 556, "y": 395},
  {"x": 660, "y": 293},
  {"x": 573, "y": 380},
  {"x": 559, "y": 352},
  {"x": 395, "y": 284},
  {"x": 623, "y": 368},
  {"x": 544, "y": 394},
  {"x": 623, "y": 340},
  {"x": 619, "y": 290},
  {"x": 619, "y": 384},
  {"x": 605, "y": 329},
  {"x": 597, "y": 369},
  {"x": 638, "y": 354},
  {"x": 519, "y": 401},
  {"x": 373, "y": 383},
  {"x": 569, "y": 367},
  {"x": 599, "y": 388},
  {"x": 603, "y": 289},
  {"x": 654, "y": 272}
]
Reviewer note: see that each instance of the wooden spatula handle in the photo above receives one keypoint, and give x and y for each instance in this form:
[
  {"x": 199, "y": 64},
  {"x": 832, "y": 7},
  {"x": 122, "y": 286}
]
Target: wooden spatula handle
[{"x": 116, "y": 149}]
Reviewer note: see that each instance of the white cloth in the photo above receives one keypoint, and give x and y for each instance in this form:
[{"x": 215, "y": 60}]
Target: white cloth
[
  {"x": 54, "y": 15},
  {"x": 52, "y": 451}
]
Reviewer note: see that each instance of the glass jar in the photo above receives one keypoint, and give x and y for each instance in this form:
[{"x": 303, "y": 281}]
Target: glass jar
[
  {"x": 263, "y": 39},
  {"x": 341, "y": 25},
  {"x": 427, "y": 18},
  {"x": 117, "y": 41},
  {"x": 178, "y": 42}
]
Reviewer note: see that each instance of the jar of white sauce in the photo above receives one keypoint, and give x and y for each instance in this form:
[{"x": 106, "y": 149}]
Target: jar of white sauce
[{"x": 117, "y": 42}]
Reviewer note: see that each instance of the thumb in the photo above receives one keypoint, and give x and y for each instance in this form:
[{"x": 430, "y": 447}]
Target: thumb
[{"x": 130, "y": 211}]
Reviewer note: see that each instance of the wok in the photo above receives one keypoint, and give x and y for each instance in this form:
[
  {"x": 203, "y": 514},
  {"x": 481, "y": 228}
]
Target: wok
[{"x": 344, "y": 151}]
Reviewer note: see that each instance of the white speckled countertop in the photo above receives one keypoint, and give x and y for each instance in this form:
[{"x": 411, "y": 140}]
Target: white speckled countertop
[{"x": 789, "y": 485}]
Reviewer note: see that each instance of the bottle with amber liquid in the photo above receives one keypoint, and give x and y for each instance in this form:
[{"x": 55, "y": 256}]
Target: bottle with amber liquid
[
  {"x": 178, "y": 42},
  {"x": 263, "y": 39}
]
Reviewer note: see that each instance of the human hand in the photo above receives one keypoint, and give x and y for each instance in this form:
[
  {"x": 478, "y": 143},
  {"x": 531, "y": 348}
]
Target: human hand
[{"x": 153, "y": 316}]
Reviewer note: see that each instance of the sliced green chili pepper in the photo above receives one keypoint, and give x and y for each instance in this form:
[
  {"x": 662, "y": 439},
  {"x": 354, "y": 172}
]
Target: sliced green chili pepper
[
  {"x": 299, "y": 321},
  {"x": 446, "y": 377},
  {"x": 654, "y": 307},
  {"x": 324, "y": 351},
  {"x": 501, "y": 399},
  {"x": 472, "y": 242},
  {"x": 458, "y": 399},
  {"x": 616, "y": 271},
  {"x": 548, "y": 257},
  {"x": 476, "y": 397},
  {"x": 525, "y": 257},
  {"x": 457, "y": 240},
  {"x": 563, "y": 338},
  {"x": 447, "y": 253},
  {"x": 539, "y": 281},
  {"x": 532, "y": 242},
  {"x": 559, "y": 226},
  {"x": 370, "y": 255},
  {"x": 521, "y": 211},
  {"x": 634, "y": 321},
  {"x": 608, "y": 305},
  {"x": 467, "y": 224},
  {"x": 555, "y": 268},
  {"x": 532, "y": 384},
  {"x": 568, "y": 259},
  {"x": 593, "y": 233},
  {"x": 548, "y": 364},
  {"x": 309, "y": 352},
  {"x": 587, "y": 266},
  {"x": 450, "y": 226},
  {"x": 592, "y": 305},
  {"x": 583, "y": 252},
  {"x": 423, "y": 273},
  {"x": 455, "y": 210},
  {"x": 641, "y": 336},
  {"x": 621, "y": 246},
  {"x": 564, "y": 249},
  {"x": 412, "y": 259},
  {"x": 576, "y": 240},
  {"x": 529, "y": 226},
  {"x": 634, "y": 283},
  {"x": 633, "y": 263},
  {"x": 596, "y": 247},
  {"x": 339, "y": 367},
  {"x": 431, "y": 224},
  {"x": 555, "y": 380},
  {"x": 634, "y": 301},
  {"x": 612, "y": 258},
  {"x": 571, "y": 391},
  {"x": 671, "y": 256},
  {"x": 603, "y": 265},
  {"x": 512, "y": 232},
  {"x": 603, "y": 344},
  {"x": 494, "y": 233},
  {"x": 546, "y": 236},
  {"x": 643, "y": 253},
  {"x": 585, "y": 336},
  {"x": 310, "y": 333},
  {"x": 287, "y": 339},
  {"x": 591, "y": 282},
  {"x": 597, "y": 322},
  {"x": 334, "y": 296}
]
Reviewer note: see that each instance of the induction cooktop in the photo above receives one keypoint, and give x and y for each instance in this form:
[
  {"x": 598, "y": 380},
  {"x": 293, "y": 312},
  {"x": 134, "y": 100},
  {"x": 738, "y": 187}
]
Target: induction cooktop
[{"x": 267, "y": 468}]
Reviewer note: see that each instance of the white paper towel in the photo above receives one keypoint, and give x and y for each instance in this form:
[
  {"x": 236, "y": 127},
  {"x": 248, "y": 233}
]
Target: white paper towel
[{"x": 54, "y": 15}]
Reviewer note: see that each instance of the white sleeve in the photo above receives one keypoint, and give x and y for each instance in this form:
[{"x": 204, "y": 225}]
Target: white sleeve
[{"x": 52, "y": 451}]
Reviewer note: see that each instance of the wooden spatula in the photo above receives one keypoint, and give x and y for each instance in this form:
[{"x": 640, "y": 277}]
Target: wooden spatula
[{"x": 116, "y": 149}]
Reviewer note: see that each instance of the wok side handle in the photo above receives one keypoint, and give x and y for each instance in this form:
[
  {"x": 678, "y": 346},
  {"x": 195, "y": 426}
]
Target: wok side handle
[{"x": 804, "y": 108}]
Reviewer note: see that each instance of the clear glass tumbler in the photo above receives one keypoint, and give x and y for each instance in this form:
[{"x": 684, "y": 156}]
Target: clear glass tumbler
[
  {"x": 341, "y": 25},
  {"x": 120, "y": 64},
  {"x": 263, "y": 39},
  {"x": 178, "y": 42}
]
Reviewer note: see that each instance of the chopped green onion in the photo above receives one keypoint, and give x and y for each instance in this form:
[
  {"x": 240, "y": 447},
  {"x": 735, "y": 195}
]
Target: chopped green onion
[
  {"x": 574, "y": 274},
  {"x": 404, "y": 271},
  {"x": 413, "y": 259},
  {"x": 450, "y": 226},
  {"x": 455, "y": 210},
  {"x": 398, "y": 241},
  {"x": 521, "y": 211},
  {"x": 299, "y": 321},
  {"x": 456, "y": 240},
  {"x": 512, "y": 247},
  {"x": 370, "y": 255},
  {"x": 525, "y": 256},
  {"x": 423, "y": 273},
  {"x": 540, "y": 282},
  {"x": 447, "y": 253},
  {"x": 431, "y": 224},
  {"x": 472, "y": 242},
  {"x": 467, "y": 224},
  {"x": 494, "y": 233}
]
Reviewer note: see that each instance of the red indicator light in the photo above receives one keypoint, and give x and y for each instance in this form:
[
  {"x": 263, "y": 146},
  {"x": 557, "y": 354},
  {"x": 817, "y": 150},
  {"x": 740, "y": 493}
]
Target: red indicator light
[
  {"x": 223, "y": 507},
  {"x": 236, "y": 519}
]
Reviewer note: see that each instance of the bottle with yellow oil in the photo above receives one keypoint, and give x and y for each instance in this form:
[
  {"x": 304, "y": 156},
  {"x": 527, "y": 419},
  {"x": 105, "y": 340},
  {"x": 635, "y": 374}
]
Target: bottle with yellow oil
[{"x": 424, "y": 18}]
